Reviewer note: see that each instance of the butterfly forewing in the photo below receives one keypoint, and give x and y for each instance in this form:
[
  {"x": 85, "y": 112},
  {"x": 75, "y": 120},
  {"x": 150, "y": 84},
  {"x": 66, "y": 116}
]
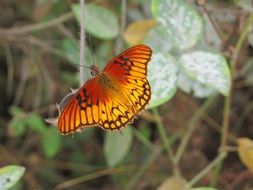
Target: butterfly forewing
[
  {"x": 129, "y": 69},
  {"x": 114, "y": 97}
]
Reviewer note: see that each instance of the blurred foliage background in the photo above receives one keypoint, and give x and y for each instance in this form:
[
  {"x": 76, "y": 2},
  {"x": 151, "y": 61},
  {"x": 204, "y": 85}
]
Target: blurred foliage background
[{"x": 196, "y": 132}]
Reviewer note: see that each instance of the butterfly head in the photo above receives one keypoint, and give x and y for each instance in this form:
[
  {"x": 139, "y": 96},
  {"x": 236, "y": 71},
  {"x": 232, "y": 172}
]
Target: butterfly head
[{"x": 94, "y": 70}]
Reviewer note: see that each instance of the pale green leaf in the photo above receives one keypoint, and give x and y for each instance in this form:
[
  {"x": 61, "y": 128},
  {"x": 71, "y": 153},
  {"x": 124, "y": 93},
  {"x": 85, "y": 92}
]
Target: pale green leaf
[
  {"x": 36, "y": 123},
  {"x": 189, "y": 85},
  {"x": 162, "y": 75},
  {"x": 209, "y": 69},
  {"x": 51, "y": 142},
  {"x": 16, "y": 127},
  {"x": 117, "y": 145},
  {"x": 9, "y": 176},
  {"x": 71, "y": 49},
  {"x": 102, "y": 53},
  {"x": 99, "y": 21},
  {"x": 181, "y": 21}
]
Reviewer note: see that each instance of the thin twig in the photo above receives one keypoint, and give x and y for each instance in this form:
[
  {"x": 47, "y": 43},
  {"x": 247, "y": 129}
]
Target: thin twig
[
  {"x": 119, "y": 42},
  {"x": 143, "y": 139},
  {"x": 95, "y": 175},
  {"x": 216, "y": 28},
  {"x": 156, "y": 152},
  {"x": 205, "y": 171},
  {"x": 163, "y": 135},
  {"x": 228, "y": 99},
  {"x": 201, "y": 111},
  {"x": 82, "y": 43},
  {"x": 38, "y": 26}
]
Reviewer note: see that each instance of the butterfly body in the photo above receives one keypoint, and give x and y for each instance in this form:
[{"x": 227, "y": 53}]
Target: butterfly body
[{"x": 113, "y": 97}]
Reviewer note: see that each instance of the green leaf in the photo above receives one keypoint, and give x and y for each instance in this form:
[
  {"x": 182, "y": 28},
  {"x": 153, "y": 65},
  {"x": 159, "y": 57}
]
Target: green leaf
[
  {"x": 199, "y": 90},
  {"x": 9, "y": 176},
  {"x": 102, "y": 53},
  {"x": 117, "y": 145},
  {"x": 71, "y": 49},
  {"x": 180, "y": 20},
  {"x": 51, "y": 142},
  {"x": 36, "y": 123},
  {"x": 99, "y": 21},
  {"x": 70, "y": 78},
  {"x": 208, "y": 69},
  {"x": 17, "y": 127},
  {"x": 162, "y": 75},
  {"x": 17, "y": 124},
  {"x": 14, "y": 111}
]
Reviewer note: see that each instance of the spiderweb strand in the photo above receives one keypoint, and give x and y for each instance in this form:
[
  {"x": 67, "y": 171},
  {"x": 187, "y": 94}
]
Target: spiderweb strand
[{"x": 82, "y": 43}]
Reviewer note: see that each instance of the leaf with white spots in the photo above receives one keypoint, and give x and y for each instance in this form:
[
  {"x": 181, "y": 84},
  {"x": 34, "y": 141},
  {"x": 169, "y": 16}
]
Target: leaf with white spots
[
  {"x": 189, "y": 85},
  {"x": 208, "y": 69},
  {"x": 159, "y": 40},
  {"x": 162, "y": 75},
  {"x": 181, "y": 21},
  {"x": 9, "y": 176}
]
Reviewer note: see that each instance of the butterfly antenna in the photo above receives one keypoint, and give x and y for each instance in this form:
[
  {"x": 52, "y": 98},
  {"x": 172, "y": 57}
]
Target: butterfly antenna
[{"x": 92, "y": 53}]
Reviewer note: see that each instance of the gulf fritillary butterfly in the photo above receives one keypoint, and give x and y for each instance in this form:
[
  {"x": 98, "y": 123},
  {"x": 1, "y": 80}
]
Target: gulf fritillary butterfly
[{"x": 113, "y": 97}]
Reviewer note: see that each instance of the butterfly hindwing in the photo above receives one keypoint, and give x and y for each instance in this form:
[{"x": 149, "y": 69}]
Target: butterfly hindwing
[{"x": 82, "y": 109}]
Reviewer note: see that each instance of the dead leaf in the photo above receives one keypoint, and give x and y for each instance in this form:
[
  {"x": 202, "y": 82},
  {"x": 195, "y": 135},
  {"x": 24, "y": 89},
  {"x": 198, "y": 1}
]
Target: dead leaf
[
  {"x": 245, "y": 151},
  {"x": 137, "y": 31},
  {"x": 173, "y": 183}
]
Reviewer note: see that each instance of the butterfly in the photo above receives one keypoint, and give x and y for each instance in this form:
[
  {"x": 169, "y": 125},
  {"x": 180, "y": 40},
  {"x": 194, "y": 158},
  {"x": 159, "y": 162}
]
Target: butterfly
[{"x": 113, "y": 97}]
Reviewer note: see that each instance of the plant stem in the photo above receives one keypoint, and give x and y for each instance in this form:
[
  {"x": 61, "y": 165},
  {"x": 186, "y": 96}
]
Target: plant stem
[
  {"x": 82, "y": 43},
  {"x": 164, "y": 137},
  {"x": 143, "y": 139},
  {"x": 201, "y": 174},
  {"x": 201, "y": 111},
  {"x": 136, "y": 177},
  {"x": 119, "y": 41},
  {"x": 228, "y": 99},
  {"x": 109, "y": 171}
]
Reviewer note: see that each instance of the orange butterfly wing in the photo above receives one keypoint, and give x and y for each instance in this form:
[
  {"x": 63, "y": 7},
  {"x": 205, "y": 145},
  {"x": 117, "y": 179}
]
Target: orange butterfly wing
[
  {"x": 129, "y": 71},
  {"x": 114, "y": 97}
]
